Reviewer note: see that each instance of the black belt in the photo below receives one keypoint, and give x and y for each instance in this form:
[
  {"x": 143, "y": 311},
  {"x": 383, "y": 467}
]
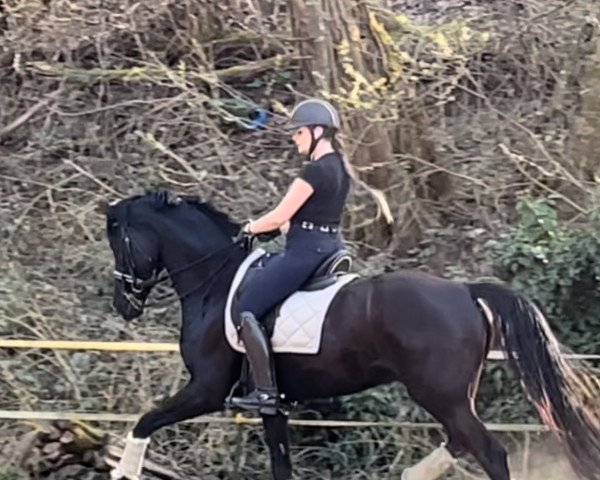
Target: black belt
[{"x": 306, "y": 225}]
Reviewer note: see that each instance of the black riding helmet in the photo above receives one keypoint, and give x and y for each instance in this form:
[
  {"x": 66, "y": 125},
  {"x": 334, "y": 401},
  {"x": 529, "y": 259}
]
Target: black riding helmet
[{"x": 312, "y": 113}]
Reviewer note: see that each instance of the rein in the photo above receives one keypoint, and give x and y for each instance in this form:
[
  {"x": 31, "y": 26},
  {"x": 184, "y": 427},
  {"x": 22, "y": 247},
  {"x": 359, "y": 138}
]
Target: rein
[{"x": 137, "y": 284}]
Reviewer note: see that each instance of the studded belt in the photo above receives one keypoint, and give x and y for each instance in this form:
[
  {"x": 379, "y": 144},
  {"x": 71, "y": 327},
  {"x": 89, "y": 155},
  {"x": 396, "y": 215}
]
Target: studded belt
[{"x": 321, "y": 228}]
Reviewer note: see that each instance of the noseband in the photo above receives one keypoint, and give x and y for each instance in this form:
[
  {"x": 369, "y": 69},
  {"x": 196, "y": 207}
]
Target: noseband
[{"x": 136, "y": 284}]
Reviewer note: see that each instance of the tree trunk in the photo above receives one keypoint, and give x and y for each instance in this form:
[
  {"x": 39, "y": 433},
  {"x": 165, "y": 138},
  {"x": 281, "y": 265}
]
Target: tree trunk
[
  {"x": 584, "y": 143},
  {"x": 347, "y": 55}
]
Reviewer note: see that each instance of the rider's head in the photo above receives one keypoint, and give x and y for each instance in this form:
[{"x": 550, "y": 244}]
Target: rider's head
[{"x": 314, "y": 121}]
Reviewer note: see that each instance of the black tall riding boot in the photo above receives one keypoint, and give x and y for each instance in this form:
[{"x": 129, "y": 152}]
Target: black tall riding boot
[{"x": 265, "y": 396}]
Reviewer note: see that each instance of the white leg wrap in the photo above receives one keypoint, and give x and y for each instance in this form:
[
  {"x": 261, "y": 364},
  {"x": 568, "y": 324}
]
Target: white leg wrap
[
  {"x": 130, "y": 465},
  {"x": 432, "y": 466}
]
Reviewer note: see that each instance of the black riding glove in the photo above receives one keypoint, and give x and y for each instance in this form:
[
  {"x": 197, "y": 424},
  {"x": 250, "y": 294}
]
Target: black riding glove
[
  {"x": 243, "y": 236},
  {"x": 262, "y": 237},
  {"x": 268, "y": 236}
]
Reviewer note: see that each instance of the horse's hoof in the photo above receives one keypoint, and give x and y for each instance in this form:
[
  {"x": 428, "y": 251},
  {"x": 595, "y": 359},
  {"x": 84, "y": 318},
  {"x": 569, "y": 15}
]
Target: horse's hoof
[{"x": 116, "y": 474}]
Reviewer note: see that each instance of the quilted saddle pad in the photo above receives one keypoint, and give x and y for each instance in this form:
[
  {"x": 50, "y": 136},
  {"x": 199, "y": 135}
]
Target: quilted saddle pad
[{"x": 299, "y": 323}]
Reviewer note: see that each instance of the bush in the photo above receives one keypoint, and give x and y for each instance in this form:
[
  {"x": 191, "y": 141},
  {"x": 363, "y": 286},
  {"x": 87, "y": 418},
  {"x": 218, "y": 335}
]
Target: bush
[
  {"x": 552, "y": 261},
  {"x": 555, "y": 263},
  {"x": 9, "y": 475}
]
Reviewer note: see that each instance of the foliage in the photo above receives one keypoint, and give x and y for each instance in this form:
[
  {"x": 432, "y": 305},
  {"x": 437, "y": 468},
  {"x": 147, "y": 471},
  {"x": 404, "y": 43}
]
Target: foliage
[
  {"x": 10, "y": 475},
  {"x": 556, "y": 263},
  {"x": 552, "y": 261},
  {"x": 413, "y": 53}
]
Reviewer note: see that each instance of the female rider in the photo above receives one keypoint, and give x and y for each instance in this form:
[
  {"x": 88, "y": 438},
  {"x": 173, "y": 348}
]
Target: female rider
[{"x": 310, "y": 212}]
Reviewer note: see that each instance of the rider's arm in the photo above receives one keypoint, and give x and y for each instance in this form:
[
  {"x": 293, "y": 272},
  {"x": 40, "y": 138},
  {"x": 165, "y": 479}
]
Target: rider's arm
[{"x": 300, "y": 190}]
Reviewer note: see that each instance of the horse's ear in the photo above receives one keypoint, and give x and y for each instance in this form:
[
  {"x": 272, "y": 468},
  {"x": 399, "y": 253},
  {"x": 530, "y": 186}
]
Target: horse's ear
[
  {"x": 173, "y": 199},
  {"x": 102, "y": 206},
  {"x": 166, "y": 198}
]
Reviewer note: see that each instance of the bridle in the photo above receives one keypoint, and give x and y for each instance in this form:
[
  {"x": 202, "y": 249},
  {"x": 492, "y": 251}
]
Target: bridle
[{"x": 138, "y": 285}]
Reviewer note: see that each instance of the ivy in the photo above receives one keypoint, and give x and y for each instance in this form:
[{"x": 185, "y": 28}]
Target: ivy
[{"x": 557, "y": 264}]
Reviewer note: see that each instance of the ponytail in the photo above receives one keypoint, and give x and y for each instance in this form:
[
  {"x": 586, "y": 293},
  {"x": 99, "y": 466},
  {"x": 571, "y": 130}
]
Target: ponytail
[
  {"x": 378, "y": 195},
  {"x": 337, "y": 145}
]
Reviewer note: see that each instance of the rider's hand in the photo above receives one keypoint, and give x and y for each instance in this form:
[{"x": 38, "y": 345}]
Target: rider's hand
[
  {"x": 267, "y": 236},
  {"x": 244, "y": 233}
]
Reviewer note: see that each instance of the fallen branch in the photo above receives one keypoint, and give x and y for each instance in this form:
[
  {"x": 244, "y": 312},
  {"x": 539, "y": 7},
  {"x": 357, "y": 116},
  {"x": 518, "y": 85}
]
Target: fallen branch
[
  {"x": 156, "y": 73},
  {"x": 24, "y": 118},
  {"x": 69, "y": 449}
]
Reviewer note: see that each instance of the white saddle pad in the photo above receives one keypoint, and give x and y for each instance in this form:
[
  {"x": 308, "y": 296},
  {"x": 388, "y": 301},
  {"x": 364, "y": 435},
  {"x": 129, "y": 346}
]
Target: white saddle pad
[{"x": 299, "y": 324}]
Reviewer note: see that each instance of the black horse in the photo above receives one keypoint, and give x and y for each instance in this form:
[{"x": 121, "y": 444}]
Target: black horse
[{"x": 429, "y": 333}]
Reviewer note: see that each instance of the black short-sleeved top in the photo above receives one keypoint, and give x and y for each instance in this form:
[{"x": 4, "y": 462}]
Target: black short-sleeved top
[{"x": 331, "y": 182}]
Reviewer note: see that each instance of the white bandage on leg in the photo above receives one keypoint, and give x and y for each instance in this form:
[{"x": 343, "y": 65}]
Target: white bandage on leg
[
  {"x": 432, "y": 466},
  {"x": 130, "y": 466}
]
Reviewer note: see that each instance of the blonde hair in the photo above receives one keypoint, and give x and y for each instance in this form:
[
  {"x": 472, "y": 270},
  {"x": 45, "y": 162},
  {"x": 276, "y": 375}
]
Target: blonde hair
[
  {"x": 338, "y": 146},
  {"x": 378, "y": 195}
]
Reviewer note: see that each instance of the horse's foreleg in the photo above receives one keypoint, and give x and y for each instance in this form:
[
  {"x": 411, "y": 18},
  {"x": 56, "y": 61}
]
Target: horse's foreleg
[
  {"x": 130, "y": 465},
  {"x": 191, "y": 401},
  {"x": 276, "y": 430}
]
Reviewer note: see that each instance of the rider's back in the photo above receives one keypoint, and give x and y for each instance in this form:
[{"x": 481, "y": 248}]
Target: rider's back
[{"x": 331, "y": 184}]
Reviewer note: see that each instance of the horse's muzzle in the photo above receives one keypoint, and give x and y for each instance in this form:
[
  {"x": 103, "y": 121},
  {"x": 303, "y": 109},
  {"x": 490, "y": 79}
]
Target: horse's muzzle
[{"x": 128, "y": 304}]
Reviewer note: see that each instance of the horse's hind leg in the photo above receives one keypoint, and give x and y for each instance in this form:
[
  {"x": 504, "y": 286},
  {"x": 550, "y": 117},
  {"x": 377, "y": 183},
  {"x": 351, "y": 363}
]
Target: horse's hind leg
[
  {"x": 467, "y": 433},
  {"x": 453, "y": 406},
  {"x": 276, "y": 430},
  {"x": 430, "y": 467}
]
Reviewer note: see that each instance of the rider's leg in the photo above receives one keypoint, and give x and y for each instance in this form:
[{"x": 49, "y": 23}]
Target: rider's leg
[
  {"x": 282, "y": 276},
  {"x": 258, "y": 350}
]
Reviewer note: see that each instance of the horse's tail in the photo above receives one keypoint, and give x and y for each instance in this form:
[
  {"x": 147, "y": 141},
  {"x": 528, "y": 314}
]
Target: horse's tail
[{"x": 566, "y": 399}]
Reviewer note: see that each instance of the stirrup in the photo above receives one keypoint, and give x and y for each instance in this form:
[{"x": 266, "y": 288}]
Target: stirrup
[{"x": 259, "y": 400}]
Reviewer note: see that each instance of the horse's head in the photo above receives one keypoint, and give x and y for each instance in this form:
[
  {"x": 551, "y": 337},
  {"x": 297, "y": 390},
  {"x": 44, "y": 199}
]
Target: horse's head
[
  {"x": 136, "y": 252},
  {"x": 139, "y": 227}
]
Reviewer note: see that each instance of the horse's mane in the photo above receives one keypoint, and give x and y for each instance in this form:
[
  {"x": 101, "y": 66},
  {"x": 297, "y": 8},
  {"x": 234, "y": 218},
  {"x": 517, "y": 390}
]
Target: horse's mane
[
  {"x": 219, "y": 217},
  {"x": 164, "y": 198}
]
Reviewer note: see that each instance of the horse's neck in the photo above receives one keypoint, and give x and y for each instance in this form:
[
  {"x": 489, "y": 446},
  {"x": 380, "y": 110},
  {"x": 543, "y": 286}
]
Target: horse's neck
[
  {"x": 188, "y": 276},
  {"x": 184, "y": 255},
  {"x": 206, "y": 308},
  {"x": 195, "y": 270},
  {"x": 209, "y": 278}
]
